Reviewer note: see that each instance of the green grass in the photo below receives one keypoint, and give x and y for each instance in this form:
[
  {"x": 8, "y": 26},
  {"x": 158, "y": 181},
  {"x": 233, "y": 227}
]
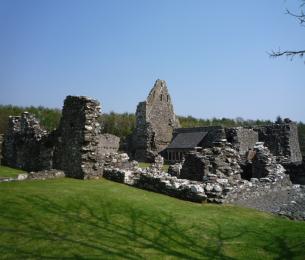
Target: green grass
[
  {"x": 145, "y": 165},
  {"x": 9, "y": 172},
  {"x": 67, "y": 218}
]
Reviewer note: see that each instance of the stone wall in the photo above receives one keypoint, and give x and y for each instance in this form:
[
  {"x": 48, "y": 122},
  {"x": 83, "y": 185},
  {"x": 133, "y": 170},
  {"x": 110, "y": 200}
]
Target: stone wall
[
  {"x": 296, "y": 171},
  {"x": 108, "y": 143},
  {"x": 220, "y": 181},
  {"x": 155, "y": 122},
  {"x": 282, "y": 140},
  {"x": 220, "y": 160},
  {"x": 219, "y": 168},
  {"x": 241, "y": 138},
  {"x": 159, "y": 182},
  {"x": 76, "y": 152},
  {"x": 26, "y": 145}
]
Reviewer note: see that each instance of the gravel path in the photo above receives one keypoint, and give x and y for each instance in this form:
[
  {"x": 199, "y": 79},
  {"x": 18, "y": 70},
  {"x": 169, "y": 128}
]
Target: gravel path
[{"x": 289, "y": 203}]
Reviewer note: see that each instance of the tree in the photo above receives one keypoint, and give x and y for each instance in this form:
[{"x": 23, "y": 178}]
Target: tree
[
  {"x": 279, "y": 120},
  {"x": 300, "y": 16}
]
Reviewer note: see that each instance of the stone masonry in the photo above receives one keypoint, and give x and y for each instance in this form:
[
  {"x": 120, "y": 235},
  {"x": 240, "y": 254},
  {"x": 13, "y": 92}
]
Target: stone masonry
[
  {"x": 282, "y": 140},
  {"x": 108, "y": 143},
  {"x": 241, "y": 138},
  {"x": 76, "y": 152},
  {"x": 26, "y": 145},
  {"x": 155, "y": 122}
]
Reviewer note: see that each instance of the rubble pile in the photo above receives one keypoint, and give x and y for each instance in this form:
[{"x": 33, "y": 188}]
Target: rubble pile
[
  {"x": 175, "y": 169},
  {"x": 39, "y": 175},
  {"x": 119, "y": 160},
  {"x": 157, "y": 165}
]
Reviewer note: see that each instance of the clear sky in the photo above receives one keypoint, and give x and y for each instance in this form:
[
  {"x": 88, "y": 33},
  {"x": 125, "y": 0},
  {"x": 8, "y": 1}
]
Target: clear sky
[{"x": 213, "y": 55}]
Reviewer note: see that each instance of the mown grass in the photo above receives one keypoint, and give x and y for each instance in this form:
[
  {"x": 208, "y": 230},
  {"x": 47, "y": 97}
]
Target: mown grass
[
  {"x": 99, "y": 219},
  {"x": 9, "y": 172}
]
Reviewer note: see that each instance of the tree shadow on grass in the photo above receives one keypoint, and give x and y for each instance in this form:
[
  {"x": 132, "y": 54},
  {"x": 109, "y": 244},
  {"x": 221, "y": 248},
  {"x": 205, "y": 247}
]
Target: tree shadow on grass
[{"x": 99, "y": 230}]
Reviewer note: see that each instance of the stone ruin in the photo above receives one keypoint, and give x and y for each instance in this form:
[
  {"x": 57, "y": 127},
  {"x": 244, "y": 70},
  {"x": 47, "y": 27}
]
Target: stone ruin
[
  {"x": 213, "y": 175},
  {"x": 76, "y": 147},
  {"x": 233, "y": 164},
  {"x": 26, "y": 145},
  {"x": 76, "y": 151},
  {"x": 241, "y": 138},
  {"x": 155, "y": 122},
  {"x": 282, "y": 140},
  {"x": 108, "y": 144}
]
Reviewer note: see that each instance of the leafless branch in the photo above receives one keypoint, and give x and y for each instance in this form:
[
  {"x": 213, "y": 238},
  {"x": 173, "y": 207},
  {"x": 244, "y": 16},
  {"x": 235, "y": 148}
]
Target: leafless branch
[
  {"x": 290, "y": 54},
  {"x": 301, "y": 18}
]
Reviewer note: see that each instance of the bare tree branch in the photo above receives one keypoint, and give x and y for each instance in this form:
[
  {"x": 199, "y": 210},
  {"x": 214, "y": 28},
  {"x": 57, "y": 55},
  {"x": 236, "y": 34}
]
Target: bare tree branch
[
  {"x": 291, "y": 54},
  {"x": 301, "y": 18}
]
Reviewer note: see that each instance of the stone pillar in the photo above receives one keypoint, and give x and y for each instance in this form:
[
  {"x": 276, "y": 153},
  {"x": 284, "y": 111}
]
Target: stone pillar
[{"x": 76, "y": 152}]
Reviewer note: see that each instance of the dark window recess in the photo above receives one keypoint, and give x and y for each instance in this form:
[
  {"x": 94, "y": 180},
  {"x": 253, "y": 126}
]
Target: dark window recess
[
  {"x": 167, "y": 98},
  {"x": 161, "y": 97}
]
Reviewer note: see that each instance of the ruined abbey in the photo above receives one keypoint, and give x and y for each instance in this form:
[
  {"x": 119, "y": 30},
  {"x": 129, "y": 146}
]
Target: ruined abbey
[
  {"x": 214, "y": 164},
  {"x": 155, "y": 124}
]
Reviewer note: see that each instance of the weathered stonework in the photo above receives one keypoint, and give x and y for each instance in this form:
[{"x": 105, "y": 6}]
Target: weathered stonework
[
  {"x": 155, "y": 123},
  {"x": 76, "y": 151},
  {"x": 108, "y": 143},
  {"x": 220, "y": 170},
  {"x": 282, "y": 140},
  {"x": 220, "y": 161},
  {"x": 241, "y": 138},
  {"x": 296, "y": 171},
  {"x": 26, "y": 145}
]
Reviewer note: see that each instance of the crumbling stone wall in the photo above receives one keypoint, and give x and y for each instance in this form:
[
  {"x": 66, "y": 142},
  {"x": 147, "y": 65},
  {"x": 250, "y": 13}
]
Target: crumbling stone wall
[
  {"x": 219, "y": 161},
  {"x": 296, "y": 171},
  {"x": 108, "y": 143},
  {"x": 241, "y": 138},
  {"x": 26, "y": 145},
  {"x": 155, "y": 122},
  {"x": 282, "y": 140},
  {"x": 76, "y": 152},
  {"x": 263, "y": 162}
]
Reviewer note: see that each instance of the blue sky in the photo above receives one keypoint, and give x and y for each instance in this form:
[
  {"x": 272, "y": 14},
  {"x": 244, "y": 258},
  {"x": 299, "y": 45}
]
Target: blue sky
[{"x": 213, "y": 55}]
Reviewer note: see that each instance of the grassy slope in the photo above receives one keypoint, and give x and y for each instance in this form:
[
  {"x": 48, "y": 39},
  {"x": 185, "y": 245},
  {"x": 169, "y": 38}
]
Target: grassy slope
[
  {"x": 9, "y": 172},
  {"x": 73, "y": 218}
]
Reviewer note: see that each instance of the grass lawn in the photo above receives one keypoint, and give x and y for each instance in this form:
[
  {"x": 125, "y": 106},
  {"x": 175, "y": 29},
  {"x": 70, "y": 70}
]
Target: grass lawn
[
  {"x": 98, "y": 219},
  {"x": 145, "y": 165},
  {"x": 9, "y": 172}
]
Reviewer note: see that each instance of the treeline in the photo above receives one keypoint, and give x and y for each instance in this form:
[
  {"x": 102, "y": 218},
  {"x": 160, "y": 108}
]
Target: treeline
[
  {"x": 190, "y": 121},
  {"x": 122, "y": 125}
]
